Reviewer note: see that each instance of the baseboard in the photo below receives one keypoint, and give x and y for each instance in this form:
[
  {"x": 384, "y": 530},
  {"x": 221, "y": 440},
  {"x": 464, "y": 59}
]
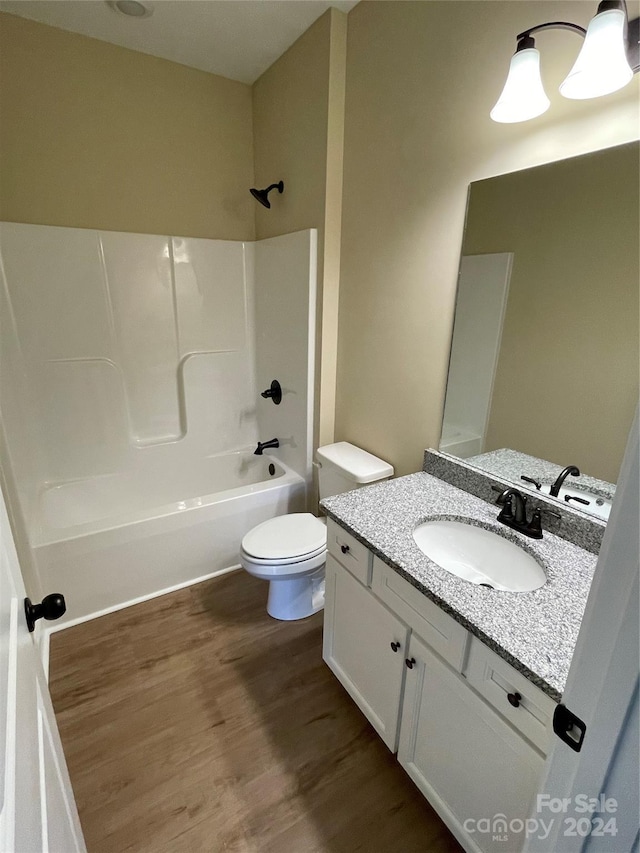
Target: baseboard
[{"x": 43, "y": 640}]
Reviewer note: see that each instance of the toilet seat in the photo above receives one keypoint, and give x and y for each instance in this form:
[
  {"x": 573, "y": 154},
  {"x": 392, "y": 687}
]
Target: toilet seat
[
  {"x": 283, "y": 569},
  {"x": 277, "y": 561},
  {"x": 285, "y": 539}
]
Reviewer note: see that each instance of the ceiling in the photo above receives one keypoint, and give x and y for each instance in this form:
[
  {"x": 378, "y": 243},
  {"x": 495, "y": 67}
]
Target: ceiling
[{"x": 239, "y": 39}]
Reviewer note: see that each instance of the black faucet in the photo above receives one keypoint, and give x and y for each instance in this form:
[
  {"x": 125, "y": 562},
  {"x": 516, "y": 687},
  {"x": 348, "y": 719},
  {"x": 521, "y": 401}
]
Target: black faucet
[
  {"x": 514, "y": 508},
  {"x": 264, "y": 445},
  {"x": 562, "y": 476},
  {"x": 514, "y": 513}
]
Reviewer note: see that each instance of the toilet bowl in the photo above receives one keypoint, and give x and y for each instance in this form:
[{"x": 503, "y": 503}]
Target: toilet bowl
[{"x": 290, "y": 551}]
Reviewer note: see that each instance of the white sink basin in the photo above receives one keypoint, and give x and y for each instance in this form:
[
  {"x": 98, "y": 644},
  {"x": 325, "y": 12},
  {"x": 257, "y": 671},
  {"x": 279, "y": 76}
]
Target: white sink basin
[
  {"x": 478, "y": 555},
  {"x": 597, "y": 505}
]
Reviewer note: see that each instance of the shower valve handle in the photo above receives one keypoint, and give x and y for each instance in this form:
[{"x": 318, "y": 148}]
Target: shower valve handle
[{"x": 274, "y": 391}]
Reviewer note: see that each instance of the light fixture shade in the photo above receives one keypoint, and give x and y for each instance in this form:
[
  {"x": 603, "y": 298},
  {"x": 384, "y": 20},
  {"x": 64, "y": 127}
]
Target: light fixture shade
[
  {"x": 602, "y": 66},
  {"x": 523, "y": 96}
]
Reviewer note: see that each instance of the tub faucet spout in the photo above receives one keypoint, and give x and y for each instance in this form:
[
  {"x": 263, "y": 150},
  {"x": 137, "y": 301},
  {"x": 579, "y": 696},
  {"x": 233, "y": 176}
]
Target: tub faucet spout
[{"x": 264, "y": 445}]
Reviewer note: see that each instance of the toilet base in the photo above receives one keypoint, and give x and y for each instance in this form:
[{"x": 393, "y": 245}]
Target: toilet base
[{"x": 296, "y": 598}]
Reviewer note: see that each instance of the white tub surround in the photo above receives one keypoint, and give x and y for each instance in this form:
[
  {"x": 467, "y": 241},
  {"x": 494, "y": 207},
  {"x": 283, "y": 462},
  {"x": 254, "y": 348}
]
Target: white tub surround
[
  {"x": 107, "y": 542},
  {"x": 130, "y": 399},
  {"x": 483, "y": 287},
  {"x": 285, "y": 320}
]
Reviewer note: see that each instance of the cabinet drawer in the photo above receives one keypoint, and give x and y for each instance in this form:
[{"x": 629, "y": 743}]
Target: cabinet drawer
[
  {"x": 495, "y": 679},
  {"x": 350, "y": 553},
  {"x": 445, "y": 636}
]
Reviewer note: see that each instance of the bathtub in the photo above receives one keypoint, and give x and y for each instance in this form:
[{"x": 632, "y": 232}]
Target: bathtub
[{"x": 113, "y": 540}]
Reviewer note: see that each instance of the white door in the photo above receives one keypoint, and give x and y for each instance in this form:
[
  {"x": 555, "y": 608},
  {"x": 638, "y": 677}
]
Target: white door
[
  {"x": 589, "y": 798},
  {"x": 364, "y": 644},
  {"x": 38, "y": 812}
]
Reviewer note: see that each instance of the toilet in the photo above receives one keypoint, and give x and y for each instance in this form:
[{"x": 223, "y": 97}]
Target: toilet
[{"x": 290, "y": 551}]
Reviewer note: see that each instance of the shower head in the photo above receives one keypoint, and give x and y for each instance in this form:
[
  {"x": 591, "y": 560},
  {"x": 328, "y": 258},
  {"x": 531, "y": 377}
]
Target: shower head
[{"x": 262, "y": 195}]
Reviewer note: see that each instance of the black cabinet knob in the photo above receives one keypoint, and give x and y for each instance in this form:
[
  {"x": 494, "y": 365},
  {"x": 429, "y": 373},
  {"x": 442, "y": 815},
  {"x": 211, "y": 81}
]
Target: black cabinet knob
[
  {"x": 52, "y": 607},
  {"x": 344, "y": 548},
  {"x": 410, "y": 662},
  {"x": 514, "y": 699},
  {"x": 395, "y": 646}
]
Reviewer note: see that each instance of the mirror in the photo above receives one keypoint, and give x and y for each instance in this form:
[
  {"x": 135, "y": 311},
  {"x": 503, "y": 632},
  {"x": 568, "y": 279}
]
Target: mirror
[{"x": 545, "y": 351}]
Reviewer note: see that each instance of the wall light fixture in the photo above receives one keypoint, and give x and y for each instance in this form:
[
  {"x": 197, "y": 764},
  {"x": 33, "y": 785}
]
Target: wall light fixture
[{"x": 607, "y": 62}]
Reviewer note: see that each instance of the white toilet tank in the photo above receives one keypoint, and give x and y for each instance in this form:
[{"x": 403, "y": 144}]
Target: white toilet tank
[{"x": 343, "y": 467}]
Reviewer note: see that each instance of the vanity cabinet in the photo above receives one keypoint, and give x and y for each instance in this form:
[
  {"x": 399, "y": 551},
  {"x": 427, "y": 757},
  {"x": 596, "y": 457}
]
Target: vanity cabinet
[
  {"x": 468, "y": 762},
  {"x": 364, "y": 644},
  {"x": 469, "y": 730}
]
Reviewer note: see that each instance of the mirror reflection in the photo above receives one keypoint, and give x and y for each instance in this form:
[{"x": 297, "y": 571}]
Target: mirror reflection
[{"x": 545, "y": 352}]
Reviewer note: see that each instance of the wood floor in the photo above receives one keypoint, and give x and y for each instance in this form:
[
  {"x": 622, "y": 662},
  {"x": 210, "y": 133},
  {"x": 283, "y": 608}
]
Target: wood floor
[{"x": 195, "y": 722}]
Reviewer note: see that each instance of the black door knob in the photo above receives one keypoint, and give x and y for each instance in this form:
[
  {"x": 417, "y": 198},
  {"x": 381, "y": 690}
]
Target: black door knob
[
  {"x": 344, "y": 548},
  {"x": 410, "y": 662},
  {"x": 395, "y": 646},
  {"x": 52, "y": 607},
  {"x": 514, "y": 699}
]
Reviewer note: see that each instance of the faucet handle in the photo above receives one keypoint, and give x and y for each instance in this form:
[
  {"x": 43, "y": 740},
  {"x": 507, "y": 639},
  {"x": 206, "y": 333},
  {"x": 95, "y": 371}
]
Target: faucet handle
[
  {"x": 274, "y": 391},
  {"x": 509, "y": 506},
  {"x": 575, "y": 498},
  {"x": 533, "y": 482},
  {"x": 506, "y": 500},
  {"x": 549, "y": 512},
  {"x": 535, "y": 525}
]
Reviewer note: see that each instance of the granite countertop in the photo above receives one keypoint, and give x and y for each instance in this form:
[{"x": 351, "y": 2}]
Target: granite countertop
[
  {"x": 535, "y": 632},
  {"x": 511, "y": 464}
]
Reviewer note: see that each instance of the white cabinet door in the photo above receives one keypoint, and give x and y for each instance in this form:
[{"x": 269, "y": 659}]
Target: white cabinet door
[
  {"x": 38, "y": 812},
  {"x": 470, "y": 764},
  {"x": 358, "y": 636}
]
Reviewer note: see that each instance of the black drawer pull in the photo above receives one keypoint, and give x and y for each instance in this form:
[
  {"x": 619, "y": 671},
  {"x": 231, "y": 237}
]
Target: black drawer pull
[
  {"x": 410, "y": 662},
  {"x": 514, "y": 699},
  {"x": 395, "y": 646},
  {"x": 344, "y": 548}
]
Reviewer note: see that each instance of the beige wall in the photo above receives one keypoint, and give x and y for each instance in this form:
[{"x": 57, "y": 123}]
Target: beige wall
[
  {"x": 83, "y": 144},
  {"x": 298, "y": 121},
  {"x": 421, "y": 79},
  {"x": 98, "y": 136},
  {"x": 567, "y": 374}
]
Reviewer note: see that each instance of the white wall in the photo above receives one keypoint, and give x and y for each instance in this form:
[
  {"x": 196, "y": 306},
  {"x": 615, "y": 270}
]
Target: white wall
[{"x": 122, "y": 351}]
